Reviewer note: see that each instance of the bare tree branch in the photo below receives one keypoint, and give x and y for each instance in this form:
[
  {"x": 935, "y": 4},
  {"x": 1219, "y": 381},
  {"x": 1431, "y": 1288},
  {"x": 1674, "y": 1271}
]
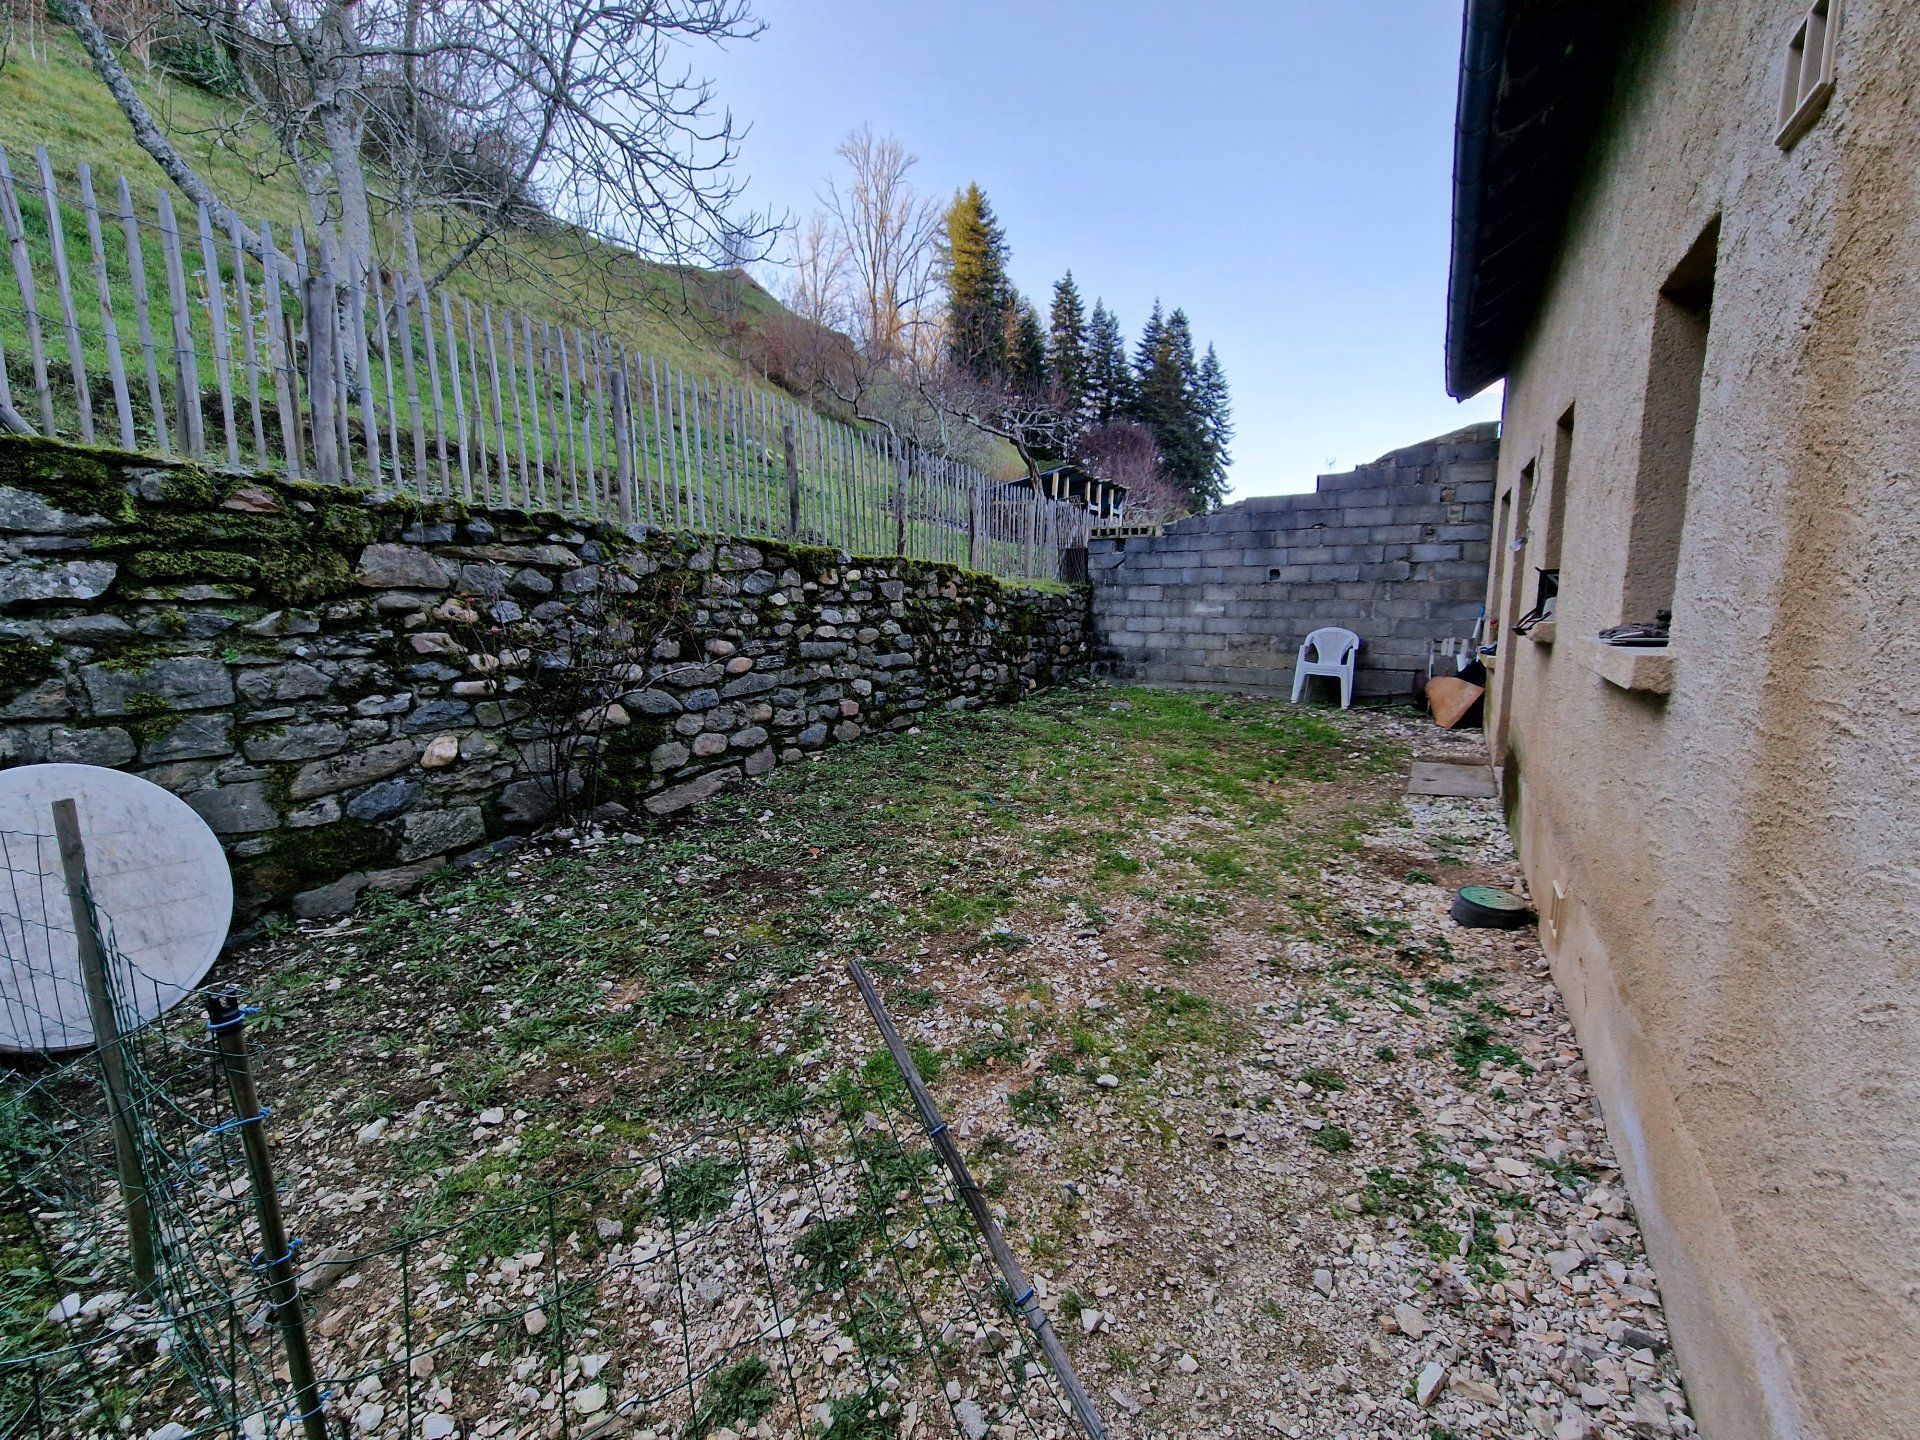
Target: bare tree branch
[{"x": 147, "y": 132}]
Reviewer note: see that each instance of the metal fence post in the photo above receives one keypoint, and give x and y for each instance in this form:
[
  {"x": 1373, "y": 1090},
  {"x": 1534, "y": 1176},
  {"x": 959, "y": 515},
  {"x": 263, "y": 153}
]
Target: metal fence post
[
  {"x": 1019, "y": 1292},
  {"x": 225, "y": 1019},
  {"x": 107, "y": 1043}
]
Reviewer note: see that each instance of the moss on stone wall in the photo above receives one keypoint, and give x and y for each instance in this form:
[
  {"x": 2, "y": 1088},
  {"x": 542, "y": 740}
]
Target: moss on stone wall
[
  {"x": 324, "y": 712},
  {"x": 300, "y": 858},
  {"x": 23, "y": 663},
  {"x": 72, "y": 478}
]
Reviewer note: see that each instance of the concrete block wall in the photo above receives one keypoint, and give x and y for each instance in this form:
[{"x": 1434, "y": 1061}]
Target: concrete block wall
[{"x": 1396, "y": 551}]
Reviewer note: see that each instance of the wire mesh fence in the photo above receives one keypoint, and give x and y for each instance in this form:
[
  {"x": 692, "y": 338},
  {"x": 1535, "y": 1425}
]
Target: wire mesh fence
[
  {"x": 136, "y": 325},
  {"x": 811, "y": 1276}
]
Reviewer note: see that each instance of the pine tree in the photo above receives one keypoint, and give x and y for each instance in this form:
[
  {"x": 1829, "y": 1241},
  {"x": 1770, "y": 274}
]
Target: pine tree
[
  {"x": 1145, "y": 350},
  {"x": 979, "y": 295},
  {"x": 1109, "y": 381},
  {"x": 1215, "y": 408},
  {"x": 1067, "y": 354},
  {"x": 1026, "y": 369},
  {"x": 1166, "y": 402}
]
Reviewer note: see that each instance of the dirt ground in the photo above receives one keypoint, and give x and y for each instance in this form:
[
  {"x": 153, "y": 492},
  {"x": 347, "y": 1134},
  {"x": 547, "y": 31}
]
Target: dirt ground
[{"x": 1286, "y": 1151}]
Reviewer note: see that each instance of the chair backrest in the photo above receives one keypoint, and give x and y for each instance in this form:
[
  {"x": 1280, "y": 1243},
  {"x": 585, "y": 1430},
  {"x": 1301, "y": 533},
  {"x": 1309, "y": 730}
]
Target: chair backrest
[{"x": 1331, "y": 645}]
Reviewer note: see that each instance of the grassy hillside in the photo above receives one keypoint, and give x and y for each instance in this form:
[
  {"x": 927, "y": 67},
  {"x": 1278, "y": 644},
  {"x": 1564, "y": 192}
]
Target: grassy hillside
[{"x": 672, "y": 313}]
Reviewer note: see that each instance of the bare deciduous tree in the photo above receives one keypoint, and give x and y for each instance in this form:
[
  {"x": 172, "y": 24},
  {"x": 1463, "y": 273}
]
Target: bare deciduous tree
[
  {"x": 1125, "y": 452},
  {"x": 484, "y": 111},
  {"x": 1032, "y": 424},
  {"x": 886, "y": 233},
  {"x": 815, "y": 287}
]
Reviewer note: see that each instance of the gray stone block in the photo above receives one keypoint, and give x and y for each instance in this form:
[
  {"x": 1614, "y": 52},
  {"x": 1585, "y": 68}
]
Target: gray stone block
[{"x": 174, "y": 684}]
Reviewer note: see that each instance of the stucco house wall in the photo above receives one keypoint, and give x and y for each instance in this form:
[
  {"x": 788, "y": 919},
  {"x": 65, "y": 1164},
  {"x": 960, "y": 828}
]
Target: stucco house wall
[{"x": 1728, "y": 873}]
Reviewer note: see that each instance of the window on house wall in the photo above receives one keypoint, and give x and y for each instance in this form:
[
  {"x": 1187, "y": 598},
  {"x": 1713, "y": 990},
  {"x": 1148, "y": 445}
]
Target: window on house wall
[
  {"x": 1519, "y": 547},
  {"x": 1808, "y": 83},
  {"x": 1676, "y": 363},
  {"x": 1545, "y": 578}
]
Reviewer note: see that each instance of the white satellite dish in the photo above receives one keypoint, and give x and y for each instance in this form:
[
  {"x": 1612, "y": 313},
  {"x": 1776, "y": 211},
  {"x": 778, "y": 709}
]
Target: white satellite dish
[{"x": 161, "y": 889}]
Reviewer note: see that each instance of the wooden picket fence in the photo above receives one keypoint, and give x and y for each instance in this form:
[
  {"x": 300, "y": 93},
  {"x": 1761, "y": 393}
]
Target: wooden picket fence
[{"x": 251, "y": 356}]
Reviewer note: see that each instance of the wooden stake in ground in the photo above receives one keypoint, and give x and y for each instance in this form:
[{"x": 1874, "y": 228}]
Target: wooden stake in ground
[
  {"x": 225, "y": 1020},
  {"x": 107, "y": 1042},
  {"x": 1019, "y": 1292}
]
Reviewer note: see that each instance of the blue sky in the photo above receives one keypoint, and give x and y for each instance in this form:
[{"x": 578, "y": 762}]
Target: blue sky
[{"x": 1280, "y": 169}]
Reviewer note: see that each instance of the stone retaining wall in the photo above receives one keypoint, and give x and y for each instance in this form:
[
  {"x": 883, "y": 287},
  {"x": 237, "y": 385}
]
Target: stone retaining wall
[
  {"x": 293, "y": 659},
  {"x": 1395, "y": 551}
]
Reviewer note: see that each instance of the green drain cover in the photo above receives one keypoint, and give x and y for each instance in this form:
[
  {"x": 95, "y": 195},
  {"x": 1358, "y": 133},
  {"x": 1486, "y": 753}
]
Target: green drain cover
[{"x": 1484, "y": 907}]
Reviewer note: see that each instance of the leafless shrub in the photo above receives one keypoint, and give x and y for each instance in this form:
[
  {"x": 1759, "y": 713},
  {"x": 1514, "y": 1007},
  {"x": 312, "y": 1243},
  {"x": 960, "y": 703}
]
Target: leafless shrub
[{"x": 562, "y": 678}]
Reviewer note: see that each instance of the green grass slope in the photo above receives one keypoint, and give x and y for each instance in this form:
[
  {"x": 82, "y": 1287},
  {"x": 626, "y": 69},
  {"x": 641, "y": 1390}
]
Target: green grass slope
[{"x": 677, "y": 314}]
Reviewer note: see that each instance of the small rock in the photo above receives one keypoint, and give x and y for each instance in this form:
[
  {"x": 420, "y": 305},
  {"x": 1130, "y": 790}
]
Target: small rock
[
  {"x": 1090, "y": 1320},
  {"x": 1564, "y": 1262},
  {"x": 1186, "y": 1364},
  {"x": 437, "y": 1427},
  {"x": 252, "y": 500},
  {"x": 1323, "y": 1282},
  {"x": 1411, "y": 1322},
  {"x": 535, "y": 1321},
  {"x": 68, "y": 1307},
  {"x": 1107, "y": 1080},
  {"x": 1477, "y": 1390},
  {"x": 368, "y": 1133},
  {"x": 973, "y": 1421},
  {"x": 590, "y": 1401},
  {"x": 1426, "y": 1389},
  {"x": 493, "y": 1116}
]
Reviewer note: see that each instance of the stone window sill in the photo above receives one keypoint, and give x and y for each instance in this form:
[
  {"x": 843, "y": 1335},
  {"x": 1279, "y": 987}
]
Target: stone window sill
[
  {"x": 1648, "y": 671},
  {"x": 1542, "y": 633}
]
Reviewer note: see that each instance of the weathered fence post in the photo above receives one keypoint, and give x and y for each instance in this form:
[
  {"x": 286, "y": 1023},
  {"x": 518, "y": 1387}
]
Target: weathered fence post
[
  {"x": 107, "y": 1041},
  {"x": 622, "y": 446},
  {"x": 976, "y": 498},
  {"x": 900, "y": 504},
  {"x": 316, "y": 298},
  {"x": 225, "y": 1019},
  {"x": 793, "y": 481}
]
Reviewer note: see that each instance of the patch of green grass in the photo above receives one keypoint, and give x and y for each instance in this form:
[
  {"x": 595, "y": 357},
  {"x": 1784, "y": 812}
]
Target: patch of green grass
[
  {"x": 1334, "y": 1139},
  {"x": 1572, "y": 1174},
  {"x": 1323, "y": 1079},
  {"x": 866, "y": 1416},
  {"x": 1036, "y": 1104},
  {"x": 1474, "y": 1045},
  {"x": 734, "y": 1398},
  {"x": 829, "y": 1250},
  {"x": 697, "y": 1190}
]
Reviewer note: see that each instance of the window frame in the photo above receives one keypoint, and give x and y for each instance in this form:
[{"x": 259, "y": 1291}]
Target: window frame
[{"x": 1808, "y": 83}]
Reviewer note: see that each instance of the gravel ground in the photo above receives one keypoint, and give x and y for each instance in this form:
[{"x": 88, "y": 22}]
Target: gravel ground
[
  {"x": 1287, "y": 1152},
  {"x": 1394, "y": 1212}
]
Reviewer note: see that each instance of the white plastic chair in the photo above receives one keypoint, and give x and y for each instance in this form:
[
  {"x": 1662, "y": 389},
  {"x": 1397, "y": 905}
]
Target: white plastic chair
[{"x": 1328, "y": 651}]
